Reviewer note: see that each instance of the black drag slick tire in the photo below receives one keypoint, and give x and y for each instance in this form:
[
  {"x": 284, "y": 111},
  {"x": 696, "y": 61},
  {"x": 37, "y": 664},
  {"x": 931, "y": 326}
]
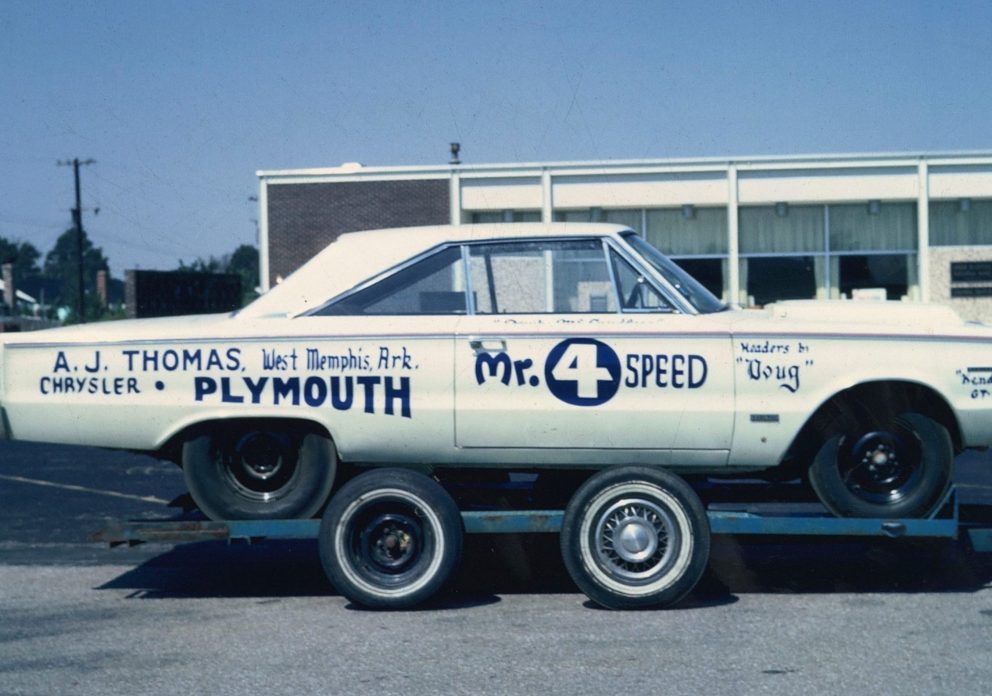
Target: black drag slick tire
[
  {"x": 897, "y": 469},
  {"x": 259, "y": 471},
  {"x": 390, "y": 539},
  {"x": 635, "y": 537}
]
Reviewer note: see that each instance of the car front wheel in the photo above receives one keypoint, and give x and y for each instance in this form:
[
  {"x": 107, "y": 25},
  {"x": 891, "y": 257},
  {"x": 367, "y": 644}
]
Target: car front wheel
[{"x": 900, "y": 468}]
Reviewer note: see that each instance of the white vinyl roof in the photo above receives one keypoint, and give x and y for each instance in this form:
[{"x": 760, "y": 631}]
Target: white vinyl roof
[{"x": 357, "y": 256}]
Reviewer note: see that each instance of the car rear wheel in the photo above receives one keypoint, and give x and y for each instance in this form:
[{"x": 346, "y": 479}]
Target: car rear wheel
[
  {"x": 259, "y": 471},
  {"x": 635, "y": 537},
  {"x": 899, "y": 468},
  {"x": 390, "y": 538}
]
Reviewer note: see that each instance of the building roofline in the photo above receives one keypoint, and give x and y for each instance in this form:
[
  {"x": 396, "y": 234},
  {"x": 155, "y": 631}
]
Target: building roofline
[{"x": 832, "y": 160}]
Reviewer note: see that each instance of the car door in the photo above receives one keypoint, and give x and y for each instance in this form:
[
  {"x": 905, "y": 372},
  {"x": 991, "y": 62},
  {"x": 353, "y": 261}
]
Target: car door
[
  {"x": 387, "y": 351},
  {"x": 548, "y": 360}
]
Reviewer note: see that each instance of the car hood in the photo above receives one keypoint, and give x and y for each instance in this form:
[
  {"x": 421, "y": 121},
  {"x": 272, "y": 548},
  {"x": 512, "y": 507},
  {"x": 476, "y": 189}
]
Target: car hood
[
  {"x": 880, "y": 312},
  {"x": 847, "y": 316}
]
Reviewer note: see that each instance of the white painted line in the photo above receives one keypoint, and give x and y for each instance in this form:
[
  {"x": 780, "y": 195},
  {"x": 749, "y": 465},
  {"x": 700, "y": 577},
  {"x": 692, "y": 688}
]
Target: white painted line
[{"x": 83, "y": 489}]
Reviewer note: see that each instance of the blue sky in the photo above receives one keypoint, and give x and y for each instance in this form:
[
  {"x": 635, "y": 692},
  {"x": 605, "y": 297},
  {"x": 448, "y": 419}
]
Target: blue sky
[{"x": 181, "y": 102}]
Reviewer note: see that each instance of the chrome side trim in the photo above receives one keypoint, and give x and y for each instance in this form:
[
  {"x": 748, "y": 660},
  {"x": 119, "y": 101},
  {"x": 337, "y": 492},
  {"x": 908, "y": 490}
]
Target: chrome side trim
[{"x": 923, "y": 338}]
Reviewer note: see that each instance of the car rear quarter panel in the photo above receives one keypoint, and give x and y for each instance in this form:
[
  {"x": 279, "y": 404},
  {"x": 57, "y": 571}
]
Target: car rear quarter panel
[{"x": 366, "y": 391}]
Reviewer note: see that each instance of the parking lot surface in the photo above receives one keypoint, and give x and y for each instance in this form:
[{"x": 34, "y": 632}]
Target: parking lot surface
[{"x": 770, "y": 616}]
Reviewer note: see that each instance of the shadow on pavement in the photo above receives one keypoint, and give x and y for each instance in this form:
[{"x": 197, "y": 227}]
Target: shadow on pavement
[
  {"x": 495, "y": 565},
  {"x": 498, "y": 565}
]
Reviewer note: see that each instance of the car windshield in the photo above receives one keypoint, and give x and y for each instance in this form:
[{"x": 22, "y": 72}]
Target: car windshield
[{"x": 691, "y": 289}]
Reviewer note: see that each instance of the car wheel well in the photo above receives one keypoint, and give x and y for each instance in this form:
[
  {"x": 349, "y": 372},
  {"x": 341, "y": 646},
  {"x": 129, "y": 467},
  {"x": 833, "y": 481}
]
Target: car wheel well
[
  {"x": 880, "y": 400},
  {"x": 173, "y": 448}
]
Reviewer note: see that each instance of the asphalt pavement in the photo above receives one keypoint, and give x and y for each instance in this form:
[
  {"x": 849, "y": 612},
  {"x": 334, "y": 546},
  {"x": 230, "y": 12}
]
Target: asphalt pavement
[{"x": 770, "y": 616}]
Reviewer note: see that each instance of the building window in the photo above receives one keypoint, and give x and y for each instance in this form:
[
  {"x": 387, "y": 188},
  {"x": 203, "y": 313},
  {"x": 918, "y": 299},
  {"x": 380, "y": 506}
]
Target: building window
[
  {"x": 961, "y": 222},
  {"x": 768, "y": 279},
  {"x": 711, "y": 273},
  {"x": 781, "y": 249},
  {"x": 863, "y": 227},
  {"x": 580, "y": 215},
  {"x": 696, "y": 239},
  {"x": 486, "y": 216},
  {"x": 873, "y": 251},
  {"x": 789, "y": 251},
  {"x": 781, "y": 229},
  {"x": 628, "y": 218},
  {"x": 861, "y": 250},
  {"x": 688, "y": 231},
  {"x": 874, "y": 276}
]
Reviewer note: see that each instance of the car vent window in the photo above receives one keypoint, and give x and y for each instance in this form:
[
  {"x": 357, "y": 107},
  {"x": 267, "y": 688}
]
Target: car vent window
[{"x": 636, "y": 293}]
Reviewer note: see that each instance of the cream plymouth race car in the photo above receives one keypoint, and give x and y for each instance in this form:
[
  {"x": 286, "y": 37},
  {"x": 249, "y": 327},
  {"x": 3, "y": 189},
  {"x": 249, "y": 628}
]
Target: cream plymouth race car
[{"x": 538, "y": 347}]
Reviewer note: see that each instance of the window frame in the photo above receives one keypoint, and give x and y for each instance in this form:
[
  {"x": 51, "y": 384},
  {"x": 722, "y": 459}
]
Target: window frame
[
  {"x": 607, "y": 243},
  {"x": 615, "y": 257},
  {"x": 604, "y": 250}
]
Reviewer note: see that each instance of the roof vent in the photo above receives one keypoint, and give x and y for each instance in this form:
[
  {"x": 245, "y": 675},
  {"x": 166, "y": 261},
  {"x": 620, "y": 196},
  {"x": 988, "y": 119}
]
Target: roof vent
[{"x": 351, "y": 166}]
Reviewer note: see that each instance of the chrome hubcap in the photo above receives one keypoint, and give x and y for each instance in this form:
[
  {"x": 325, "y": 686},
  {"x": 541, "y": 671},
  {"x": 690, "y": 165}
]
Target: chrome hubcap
[
  {"x": 633, "y": 538},
  {"x": 636, "y": 540}
]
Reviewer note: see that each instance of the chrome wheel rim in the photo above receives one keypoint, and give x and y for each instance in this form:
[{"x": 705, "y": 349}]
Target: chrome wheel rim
[{"x": 634, "y": 539}]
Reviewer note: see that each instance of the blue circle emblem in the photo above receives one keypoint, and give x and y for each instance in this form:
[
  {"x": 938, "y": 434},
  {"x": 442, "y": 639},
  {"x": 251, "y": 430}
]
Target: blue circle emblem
[{"x": 582, "y": 372}]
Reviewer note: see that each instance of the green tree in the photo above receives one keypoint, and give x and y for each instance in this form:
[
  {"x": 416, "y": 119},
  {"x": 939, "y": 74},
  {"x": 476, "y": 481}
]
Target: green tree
[
  {"x": 62, "y": 263},
  {"x": 23, "y": 255},
  {"x": 243, "y": 261},
  {"x": 201, "y": 265}
]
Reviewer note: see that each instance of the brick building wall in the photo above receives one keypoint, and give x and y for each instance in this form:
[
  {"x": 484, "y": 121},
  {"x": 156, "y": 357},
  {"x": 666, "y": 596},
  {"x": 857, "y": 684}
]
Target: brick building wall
[{"x": 304, "y": 218}]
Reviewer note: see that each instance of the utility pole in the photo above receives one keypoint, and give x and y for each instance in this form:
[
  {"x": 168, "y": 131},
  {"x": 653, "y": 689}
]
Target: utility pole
[{"x": 77, "y": 223}]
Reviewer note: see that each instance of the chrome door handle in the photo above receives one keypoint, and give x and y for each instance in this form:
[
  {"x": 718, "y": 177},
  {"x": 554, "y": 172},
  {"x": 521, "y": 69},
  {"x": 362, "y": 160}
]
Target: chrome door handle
[{"x": 488, "y": 345}]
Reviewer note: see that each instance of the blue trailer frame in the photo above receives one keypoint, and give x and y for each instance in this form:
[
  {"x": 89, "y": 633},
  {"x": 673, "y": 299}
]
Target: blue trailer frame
[{"x": 945, "y": 523}]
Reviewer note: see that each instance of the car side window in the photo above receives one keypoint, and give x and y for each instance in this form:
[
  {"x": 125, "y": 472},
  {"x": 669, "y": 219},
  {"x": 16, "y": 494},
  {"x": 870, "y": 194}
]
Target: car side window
[
  {"x": 434, "y": 285},
  {"x": 636, "y": 293},
  {"x": 566, "y": 277}
]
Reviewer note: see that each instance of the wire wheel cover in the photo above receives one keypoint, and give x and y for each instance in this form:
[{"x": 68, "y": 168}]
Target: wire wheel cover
[{"x": 634, "y": 539}]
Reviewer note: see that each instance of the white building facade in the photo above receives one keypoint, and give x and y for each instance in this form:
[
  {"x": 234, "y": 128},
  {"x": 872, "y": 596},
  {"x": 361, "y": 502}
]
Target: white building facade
[{"x": 912, "y": 227}]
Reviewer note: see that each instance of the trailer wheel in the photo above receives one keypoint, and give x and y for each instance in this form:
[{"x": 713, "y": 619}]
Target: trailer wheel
[
  {"x": 896, "y": 469},
  {"x": 635, "y": 537},
  {"x": 259, "y": 471},
  {"x": 390, "y": 538}
]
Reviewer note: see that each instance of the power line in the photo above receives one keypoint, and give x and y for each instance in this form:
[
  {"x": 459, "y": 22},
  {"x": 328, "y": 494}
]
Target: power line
[{"x": 77, "y": 219}]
